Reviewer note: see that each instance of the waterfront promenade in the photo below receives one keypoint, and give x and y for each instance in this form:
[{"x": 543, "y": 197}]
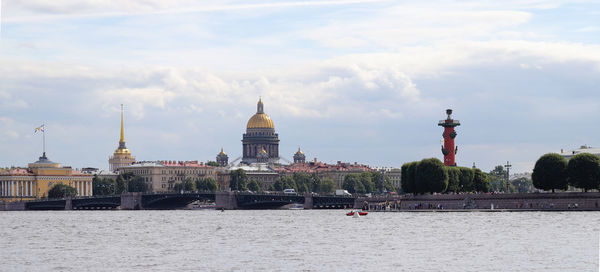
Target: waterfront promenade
[{"x": 565, "y": 201}]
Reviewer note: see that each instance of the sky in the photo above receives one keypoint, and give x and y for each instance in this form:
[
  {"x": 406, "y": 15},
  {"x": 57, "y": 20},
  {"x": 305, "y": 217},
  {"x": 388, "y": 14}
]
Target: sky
[{"x": 345, "y": 80}]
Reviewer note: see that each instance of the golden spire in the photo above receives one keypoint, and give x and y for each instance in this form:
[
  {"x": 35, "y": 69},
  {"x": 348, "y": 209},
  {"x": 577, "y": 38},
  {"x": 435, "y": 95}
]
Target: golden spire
[
  {"x": 122, "y": 149},
  {"x": 299, "y": 151},
  {"x": 122, "y": 133}
]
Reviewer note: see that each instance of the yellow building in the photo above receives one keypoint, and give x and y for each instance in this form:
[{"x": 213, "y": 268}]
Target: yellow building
[
  {"x": 122, "y": 156},
  {"x": 38, "y": 178}
]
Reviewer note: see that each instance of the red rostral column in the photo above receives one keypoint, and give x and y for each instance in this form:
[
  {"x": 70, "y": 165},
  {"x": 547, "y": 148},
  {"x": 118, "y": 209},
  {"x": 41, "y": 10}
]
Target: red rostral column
[{"x": 448, "y": 148}]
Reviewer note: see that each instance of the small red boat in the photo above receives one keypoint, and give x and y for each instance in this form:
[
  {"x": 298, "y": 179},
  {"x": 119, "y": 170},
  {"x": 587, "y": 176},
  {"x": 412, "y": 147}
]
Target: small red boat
[{"x": 359, "y": 213}]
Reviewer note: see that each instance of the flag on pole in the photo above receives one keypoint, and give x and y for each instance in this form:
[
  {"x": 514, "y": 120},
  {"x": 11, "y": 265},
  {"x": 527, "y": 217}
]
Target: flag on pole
[{"x": 40, "y": 128}]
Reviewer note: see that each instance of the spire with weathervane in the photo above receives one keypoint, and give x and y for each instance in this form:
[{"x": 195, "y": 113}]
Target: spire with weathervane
[{"x": 122, "y": 156}]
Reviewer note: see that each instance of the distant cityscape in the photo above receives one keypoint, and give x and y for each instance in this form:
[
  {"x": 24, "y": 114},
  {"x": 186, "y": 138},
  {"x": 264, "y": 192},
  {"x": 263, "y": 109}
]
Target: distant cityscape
[{"x": 260, "y": 161}]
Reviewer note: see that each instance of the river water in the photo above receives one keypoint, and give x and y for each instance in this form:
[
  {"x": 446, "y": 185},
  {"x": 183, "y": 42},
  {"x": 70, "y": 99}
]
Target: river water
[{"x": 298, "y": 240}]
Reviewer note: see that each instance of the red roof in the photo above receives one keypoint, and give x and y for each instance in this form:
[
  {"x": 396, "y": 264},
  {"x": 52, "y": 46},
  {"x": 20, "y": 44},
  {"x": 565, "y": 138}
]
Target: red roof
[
  {"x": 313, "y": 167},
  {"x": 183, "y": 163},
  {"x": 17, "y": 172}
]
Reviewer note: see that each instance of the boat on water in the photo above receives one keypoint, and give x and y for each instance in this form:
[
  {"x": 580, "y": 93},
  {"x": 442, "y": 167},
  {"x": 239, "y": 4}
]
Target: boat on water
[{"x": 359, "y": 213}]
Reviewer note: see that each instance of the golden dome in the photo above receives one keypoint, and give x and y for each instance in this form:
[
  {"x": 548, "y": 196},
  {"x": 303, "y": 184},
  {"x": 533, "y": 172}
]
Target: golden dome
[
  {"x": 120, "y": 151},
  {"x": 260, "y": 120},
  {"x": 299, "y": 151},
  {"x": 222, "y": 153}
]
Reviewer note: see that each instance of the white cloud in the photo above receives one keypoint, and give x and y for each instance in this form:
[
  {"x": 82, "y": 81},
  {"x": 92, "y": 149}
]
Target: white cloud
[
  {"x": 8, "y": 132},
  {"x": 39, "y": 10},
  {"x": 135, "y": 98},
  {"x": 7, "y": 101},
  {"x": 588, "y": 29},
  {"x": 408, "y": 25}
]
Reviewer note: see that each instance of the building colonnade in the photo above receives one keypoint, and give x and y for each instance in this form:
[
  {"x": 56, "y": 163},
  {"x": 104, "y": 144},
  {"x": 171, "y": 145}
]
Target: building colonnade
[
  {"x": 17, "y": 188},
  {"x": 28, "y": 188}
]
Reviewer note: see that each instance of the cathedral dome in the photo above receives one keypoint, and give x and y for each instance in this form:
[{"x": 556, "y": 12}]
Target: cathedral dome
[{"x": 260, "y": 119}]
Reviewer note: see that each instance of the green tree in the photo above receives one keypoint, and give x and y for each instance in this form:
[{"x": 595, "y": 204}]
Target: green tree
[
  {"x": 103, "y": 186},
  {"x": 379, "y": 181},
  {"x": 431, "y": 176},
  {"x": 481, "y": 181},
  {"x": 315, "y": 182},
  {"x": 136, "y": 184},
  {"x": 522, "y": 185},
  {"x": 353, "y": 184},
  {"x": 254, "y": 186},
  {"x": 189, "y": 185},
  {"x": 303, "y": 182},
  {"x": 238, "y": 180},
  {"x": 61, "y": 190},
  {"x": 278, "y": 185},
  {"x": 499, "y": 180},
  {"x": 583, "y": 171},
  {"x": 201, "y": 184},
  {"x": 550, "y": 172},
  {"x": 212, "y": 163},
  {"x": 206, "y": 184},
  {"x": 453, "y": 179},
  {"x": 211, "y": 185},
  {"x": 387, "y": 185},
  {"x": 120, "y": 185},
  {"x": 289, "y": 183},
  {"x": 327, "y": 185},
  {"x": 367, "y": 182},
  {"x": 178, "y": 187},
  {"x": 466, "y": 179},
  {"x": 407, "y": 172}
]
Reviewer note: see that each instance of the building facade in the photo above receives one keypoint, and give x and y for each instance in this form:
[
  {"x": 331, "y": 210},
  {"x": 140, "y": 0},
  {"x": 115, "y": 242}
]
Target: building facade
[
  {"x": 260, "y": 139},
  {"x": 122, "y": 156},
  {"x": 582, "y": 149},
  {"x": 161, "y": 176},
  {"x": 261, "y": 172},
  {"x": 39, "y": 177}
]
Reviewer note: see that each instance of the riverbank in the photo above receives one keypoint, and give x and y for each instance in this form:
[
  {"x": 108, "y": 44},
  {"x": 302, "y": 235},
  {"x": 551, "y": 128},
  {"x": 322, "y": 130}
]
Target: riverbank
[{"x": 564, "y": 201}]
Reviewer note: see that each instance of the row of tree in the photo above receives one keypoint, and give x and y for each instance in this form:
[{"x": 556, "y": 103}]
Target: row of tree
[
  {"x": 304, "y": 183},
  {"x": 300, "y": 182},
  {"x": 126, "y": 182},
  {"x": 500, "y": 182},
  {"x": 553, "y": 172},
  {"x": 367, "y": 182},
  {"x": 61, "y": 191},
  {"x": 431, "y": 176},
  {"x": 201, "y": 184}
]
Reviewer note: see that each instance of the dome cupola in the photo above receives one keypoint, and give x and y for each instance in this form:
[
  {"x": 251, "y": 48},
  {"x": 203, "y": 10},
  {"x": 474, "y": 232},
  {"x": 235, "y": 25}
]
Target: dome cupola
[{"x": 260, "y": 119}]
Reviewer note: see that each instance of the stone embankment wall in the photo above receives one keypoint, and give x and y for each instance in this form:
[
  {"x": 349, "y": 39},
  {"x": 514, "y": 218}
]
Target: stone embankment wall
[
  {"x": 12, "y": 206},
  {"x": 225, "y": 201},
  {"x": 533, "y": 201},
  {"x": 131, "y": 201}
]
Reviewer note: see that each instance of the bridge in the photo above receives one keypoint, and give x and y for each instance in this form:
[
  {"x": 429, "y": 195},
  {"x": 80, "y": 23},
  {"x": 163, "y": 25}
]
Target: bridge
[
  {"x": 223, "y": 200},
  {"x": 230, "y": 201}
]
